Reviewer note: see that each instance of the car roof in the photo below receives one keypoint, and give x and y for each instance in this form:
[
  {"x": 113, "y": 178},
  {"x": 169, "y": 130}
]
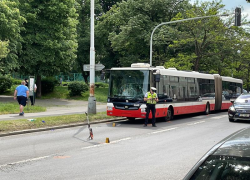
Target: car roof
[
  {"x": 237, "y": 144},
  {"x": 245, "y": 94}
]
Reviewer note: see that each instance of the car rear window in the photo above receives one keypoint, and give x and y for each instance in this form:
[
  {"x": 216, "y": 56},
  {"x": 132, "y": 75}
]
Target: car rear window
[{"x": 223, "y": 168}]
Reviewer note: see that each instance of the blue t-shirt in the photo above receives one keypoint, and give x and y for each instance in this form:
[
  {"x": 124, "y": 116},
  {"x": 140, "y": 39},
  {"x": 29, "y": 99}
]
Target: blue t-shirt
[{"x": 21, "y": 90}]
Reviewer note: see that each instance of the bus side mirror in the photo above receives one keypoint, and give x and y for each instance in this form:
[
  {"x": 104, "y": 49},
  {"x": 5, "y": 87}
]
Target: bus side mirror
[{"x": 157, "y": 77}]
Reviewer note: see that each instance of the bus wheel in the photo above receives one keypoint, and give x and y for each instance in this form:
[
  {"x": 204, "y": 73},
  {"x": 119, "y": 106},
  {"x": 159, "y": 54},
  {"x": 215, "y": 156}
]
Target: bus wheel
[
  {"x": 130, "y": 118},
  {"x": 207, "y": 109},
  {"x": 169, "y": 115}
]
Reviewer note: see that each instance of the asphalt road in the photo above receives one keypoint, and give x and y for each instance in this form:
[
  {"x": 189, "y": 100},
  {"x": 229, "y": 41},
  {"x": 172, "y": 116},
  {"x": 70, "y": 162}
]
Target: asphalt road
[{"x": 134, "y": 152}]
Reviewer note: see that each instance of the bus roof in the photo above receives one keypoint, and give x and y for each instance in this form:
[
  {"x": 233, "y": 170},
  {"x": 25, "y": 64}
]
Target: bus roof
[
  {"x": 174, "y": 72},
  {"x": 170, "y": 72},
  {"x": 230, "y": 79},
  {"x": 192, "y": 74},
  {"x": 130, "y": 68}
]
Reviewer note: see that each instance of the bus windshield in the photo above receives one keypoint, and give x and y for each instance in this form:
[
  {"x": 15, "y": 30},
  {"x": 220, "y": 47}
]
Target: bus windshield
[{"x": 128, "y": 84}]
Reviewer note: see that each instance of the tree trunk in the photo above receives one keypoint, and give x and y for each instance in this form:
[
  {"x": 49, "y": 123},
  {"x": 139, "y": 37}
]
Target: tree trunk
[
  {"x": 220, "y": 67},
  {"x": 197, "y": 59},
  {"x": 85, "y": 75},
  {"x": 196, "y": 65},
  {"x": 39, "y": 85},
  {"x": 248, "y": 72}
]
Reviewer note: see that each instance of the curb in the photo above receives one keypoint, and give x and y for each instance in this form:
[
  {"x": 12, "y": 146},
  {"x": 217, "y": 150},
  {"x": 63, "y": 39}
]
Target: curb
[{"x": 56, "y": 127}]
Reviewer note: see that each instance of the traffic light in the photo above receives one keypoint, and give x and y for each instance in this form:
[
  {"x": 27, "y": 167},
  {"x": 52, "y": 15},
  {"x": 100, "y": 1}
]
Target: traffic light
[{"x": 238, "y": 16}]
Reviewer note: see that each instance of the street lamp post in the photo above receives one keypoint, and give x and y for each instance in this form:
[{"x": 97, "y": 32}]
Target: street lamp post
[
  {"x": 92, "y": 99},
  {"x": 171, "y": 22}
]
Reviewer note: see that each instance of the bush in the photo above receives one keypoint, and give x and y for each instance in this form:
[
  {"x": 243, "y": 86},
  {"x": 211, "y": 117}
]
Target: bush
[
  {"x": 16, "y": 81},
  {"x": 48, "y": 84},
  {"x": 101, "y": 85},
  {"x": 76, "y": 88},
  {"x": 5, "y": 83}
]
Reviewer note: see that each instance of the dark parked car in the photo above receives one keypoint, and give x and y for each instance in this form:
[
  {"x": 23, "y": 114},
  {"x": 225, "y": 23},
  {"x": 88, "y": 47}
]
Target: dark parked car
[
  {"x": 240, "y": 109},
  {"x": 227, "y": 160}
]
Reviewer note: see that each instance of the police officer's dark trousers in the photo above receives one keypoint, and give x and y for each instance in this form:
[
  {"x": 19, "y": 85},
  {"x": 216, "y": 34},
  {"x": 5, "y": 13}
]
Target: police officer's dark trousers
[{"x": 150, "y": 107}]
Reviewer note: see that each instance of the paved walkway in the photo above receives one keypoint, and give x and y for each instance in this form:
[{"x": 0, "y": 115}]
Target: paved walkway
[{"x": 55, "y": 107}]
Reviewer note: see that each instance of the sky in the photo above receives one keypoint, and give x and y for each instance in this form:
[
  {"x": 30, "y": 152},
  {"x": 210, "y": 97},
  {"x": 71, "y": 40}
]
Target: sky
[{"x": 232, "y": 4}]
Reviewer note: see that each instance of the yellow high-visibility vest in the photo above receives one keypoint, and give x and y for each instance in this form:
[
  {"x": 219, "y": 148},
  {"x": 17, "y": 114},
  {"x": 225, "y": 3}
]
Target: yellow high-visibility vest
[{"x": 151, "y": 101}]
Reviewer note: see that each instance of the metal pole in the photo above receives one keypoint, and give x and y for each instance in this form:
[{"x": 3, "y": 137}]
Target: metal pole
[
  {"x": 171, "y": 22},
  {"x": 92, "y": 100}
]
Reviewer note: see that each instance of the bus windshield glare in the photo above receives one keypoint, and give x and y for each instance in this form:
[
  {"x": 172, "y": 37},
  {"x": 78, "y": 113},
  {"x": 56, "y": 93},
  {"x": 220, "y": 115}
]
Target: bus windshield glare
[{"x": 129, "y": 84}]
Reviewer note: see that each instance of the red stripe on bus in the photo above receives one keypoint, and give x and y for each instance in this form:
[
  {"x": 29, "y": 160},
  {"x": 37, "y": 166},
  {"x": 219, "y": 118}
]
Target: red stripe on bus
[{"x": 162, "y": 112}]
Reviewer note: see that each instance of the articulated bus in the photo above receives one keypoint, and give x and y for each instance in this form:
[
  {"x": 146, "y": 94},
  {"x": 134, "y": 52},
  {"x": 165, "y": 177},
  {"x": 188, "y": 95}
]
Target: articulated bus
[{"x": 179, "y": 92}]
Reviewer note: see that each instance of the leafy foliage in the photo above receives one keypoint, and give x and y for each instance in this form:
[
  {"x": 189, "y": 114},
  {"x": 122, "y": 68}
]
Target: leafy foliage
[
  {"x": 4, "y": 49},
  {"x": 10, "y": 40},
  {"x": 5, "y": 83},
  {"x": 49, "y": 45},
  {"x": 48, "y": 84},
  {"x": 101, "y": 85},
  {"x": 196, "y": 37},
  {"x": 83, "y": 32},
  {"x": 128, "y": 26},
  {"x": 76, "y": 88},
  {"x": 16, "y": 81},
  {"x": 44, "y": 38}
]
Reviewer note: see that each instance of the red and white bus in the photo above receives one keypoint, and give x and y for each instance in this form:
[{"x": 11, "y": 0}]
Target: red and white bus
[{"x": 179, "y": 92}]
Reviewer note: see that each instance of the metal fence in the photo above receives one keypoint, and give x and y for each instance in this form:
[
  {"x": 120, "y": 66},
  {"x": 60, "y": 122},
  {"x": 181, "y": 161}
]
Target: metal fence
[{"x": 65, "y": 78}]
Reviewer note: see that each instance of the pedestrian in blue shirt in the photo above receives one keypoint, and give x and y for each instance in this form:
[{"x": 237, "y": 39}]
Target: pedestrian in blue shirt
[{"x": 21, "y": 94}]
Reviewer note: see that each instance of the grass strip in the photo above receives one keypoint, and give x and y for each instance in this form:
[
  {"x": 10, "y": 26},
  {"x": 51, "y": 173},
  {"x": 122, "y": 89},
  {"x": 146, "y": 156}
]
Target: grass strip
[
  {"x": 61, "y": 92},
  {"x": 13, "y": 108},
  {"x": 24, "y": 124}
]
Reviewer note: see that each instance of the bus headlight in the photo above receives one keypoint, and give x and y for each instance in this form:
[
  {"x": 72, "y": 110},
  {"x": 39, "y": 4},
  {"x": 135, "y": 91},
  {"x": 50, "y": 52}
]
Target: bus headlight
[
  {"x": 109, "y": 108},
  {"x": 231, "y": 108},
  {"x": 143, "y": 110}
]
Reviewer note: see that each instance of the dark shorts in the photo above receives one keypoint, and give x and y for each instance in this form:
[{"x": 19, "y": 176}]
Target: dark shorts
[{"x": 22, "y": 100}]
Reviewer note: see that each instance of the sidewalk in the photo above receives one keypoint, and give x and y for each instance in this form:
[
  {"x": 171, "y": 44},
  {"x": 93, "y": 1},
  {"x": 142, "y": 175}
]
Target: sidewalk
[{"x": 55, "y": 107}]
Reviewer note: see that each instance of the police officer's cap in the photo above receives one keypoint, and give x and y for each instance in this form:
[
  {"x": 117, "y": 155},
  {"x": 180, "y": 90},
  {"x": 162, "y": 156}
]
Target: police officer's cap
[{"x": 153, "y": 88}]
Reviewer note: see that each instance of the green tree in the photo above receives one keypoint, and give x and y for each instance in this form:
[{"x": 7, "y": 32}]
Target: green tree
[
  {"x": 196, "y": 37},
  {"x": 128, "y": 26},
  {"x": 245, "y": 56},
  {"x": 240, "y": 64},
  {"x": 50, "y": 42},
  {"x": 3, "y": 53},
  {"x": 208, "y": 45},
  {"x": 10, "y": 39},
  {"x": 83, "y": 32},
  {"x": 3, "y": 50}
]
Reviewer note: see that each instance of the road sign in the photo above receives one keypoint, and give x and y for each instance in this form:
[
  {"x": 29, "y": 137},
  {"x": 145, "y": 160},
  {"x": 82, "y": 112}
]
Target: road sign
[{"x": 98, "y": 67}]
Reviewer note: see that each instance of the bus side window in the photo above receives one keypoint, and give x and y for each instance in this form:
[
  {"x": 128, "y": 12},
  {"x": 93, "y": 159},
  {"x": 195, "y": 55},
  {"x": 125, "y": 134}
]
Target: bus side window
[{"x": 174, "y": 92}]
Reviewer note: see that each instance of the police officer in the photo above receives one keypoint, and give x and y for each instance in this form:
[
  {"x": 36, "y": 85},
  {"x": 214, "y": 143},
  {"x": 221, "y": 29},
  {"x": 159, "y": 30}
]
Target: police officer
[{"x": 152, "y": 99}]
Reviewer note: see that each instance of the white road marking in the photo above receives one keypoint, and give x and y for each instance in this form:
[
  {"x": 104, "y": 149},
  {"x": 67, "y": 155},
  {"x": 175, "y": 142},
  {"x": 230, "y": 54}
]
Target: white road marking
[
  {"x": 124, "y": 139},
  {"x": 128, "y": 138},
  {"x": 24, "y": 161},
  {"x": 197, "y": 117},
  {"x": 155, "y": 132},
  {"x": 219, "y": 117},
  {"x": 103, "y": 144},
  {"x": 196, "y": 123},
  {"x": 98, "y": 145}
]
